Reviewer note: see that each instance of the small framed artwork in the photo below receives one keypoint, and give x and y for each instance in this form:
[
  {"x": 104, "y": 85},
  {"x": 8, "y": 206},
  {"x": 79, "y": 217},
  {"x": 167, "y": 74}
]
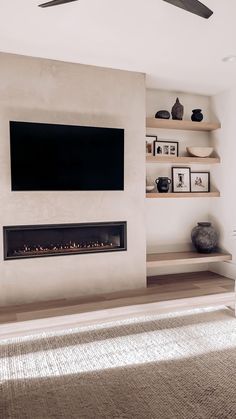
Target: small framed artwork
[
  {"x": 181, "y": 179},
  {"x": 166, "y": 148},
  {"x": 200, "y": 181},
  {"x": 150, "y": 139}
]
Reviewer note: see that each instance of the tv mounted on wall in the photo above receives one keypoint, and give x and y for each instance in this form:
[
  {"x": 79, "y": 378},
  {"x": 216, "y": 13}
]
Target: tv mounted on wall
[{"x": 50, "y": 157}]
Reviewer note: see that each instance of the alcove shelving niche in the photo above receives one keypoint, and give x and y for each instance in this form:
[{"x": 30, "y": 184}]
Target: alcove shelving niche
[
  {"x": 183, "y": 125},
  {"x": 192, "y": 287}
]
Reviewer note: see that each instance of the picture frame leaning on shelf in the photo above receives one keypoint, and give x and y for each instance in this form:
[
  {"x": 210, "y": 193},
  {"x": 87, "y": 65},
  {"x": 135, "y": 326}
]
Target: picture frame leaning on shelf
[
  {"x": 166, "y": 148},
  {"x": 181, "y": 179}
]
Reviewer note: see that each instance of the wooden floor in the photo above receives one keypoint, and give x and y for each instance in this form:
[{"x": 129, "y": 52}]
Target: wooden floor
[{"x": 163, "y": 294}]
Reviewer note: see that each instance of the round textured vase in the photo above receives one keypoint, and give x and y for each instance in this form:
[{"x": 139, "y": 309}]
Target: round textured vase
[
  {"x": 204, "y": 238},
  {"x": 163, "y": 184},
  {"x": 197, "y": 115}
]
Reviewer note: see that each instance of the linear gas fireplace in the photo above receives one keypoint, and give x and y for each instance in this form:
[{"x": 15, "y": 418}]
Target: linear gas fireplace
[{"x": 63, "y": 239}]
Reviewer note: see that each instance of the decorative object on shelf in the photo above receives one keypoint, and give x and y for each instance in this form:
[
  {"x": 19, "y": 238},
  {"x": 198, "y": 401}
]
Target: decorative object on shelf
[
  {"x": 177, "y": 111},
  {"x": 150, "y": 188},
  {"x": 162, "y": 115},
  {"x": 200, "y": 151},
  {"x": 204, "y": 237},
  {"x": 181, "y": 179},
  {"x": 149, "y": 185},
  {"x": 150, "y": 144},
  {"x": 163, "y": 184},
  {"x": 166, "y": 148},
  {"x": 197, "y": 115},
  {"x": 200, "y": 182}
]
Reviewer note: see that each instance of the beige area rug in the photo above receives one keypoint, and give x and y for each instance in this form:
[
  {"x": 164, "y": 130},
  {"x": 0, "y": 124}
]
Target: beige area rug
[{"x": 179, "y": 366}]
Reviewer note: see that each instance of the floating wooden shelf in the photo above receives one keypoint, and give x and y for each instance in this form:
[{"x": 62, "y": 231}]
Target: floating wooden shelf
[
  {"x": 156, "y": 195},
  {"x": 182, "y": 160},
  {"x": 185, "y": 258},
  {"x": 182, "y": 125}
]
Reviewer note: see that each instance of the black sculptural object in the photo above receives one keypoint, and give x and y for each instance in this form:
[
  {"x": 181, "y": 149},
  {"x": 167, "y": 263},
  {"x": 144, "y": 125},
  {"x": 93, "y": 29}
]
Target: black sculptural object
[
  {"x": 177, "y": 110},
  {"x": 163, "y": 114}
]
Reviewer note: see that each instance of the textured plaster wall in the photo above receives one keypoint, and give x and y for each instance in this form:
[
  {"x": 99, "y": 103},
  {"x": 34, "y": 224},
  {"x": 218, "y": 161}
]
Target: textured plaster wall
[
  {"x": 41, "y": 90},
  {"x": 224, "y": 211}
]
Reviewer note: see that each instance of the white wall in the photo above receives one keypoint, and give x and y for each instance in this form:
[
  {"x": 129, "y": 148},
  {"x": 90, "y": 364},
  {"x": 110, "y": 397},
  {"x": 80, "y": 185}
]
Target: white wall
[
  {"x": 223, "y": 108},
  {"x": 170, "y": 221},
  {"x": 41, "y": 90}
]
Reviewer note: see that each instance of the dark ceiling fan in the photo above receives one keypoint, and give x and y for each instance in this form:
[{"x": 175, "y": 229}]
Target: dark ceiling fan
[
  {"x": 55, "y": 3},
  {"x": 192, "y": 6}
]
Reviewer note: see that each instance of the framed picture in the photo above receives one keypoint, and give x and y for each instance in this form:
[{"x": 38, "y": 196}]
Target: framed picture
[
  {"x": 166, "y": 148},
  {"x": 200, "y": 181},
  {"x": 150, "y": 144},
  {"x": 181, "y": 179}
]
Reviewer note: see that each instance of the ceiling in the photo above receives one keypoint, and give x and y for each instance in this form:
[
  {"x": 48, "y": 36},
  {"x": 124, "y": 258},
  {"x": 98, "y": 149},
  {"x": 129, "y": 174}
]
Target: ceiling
[{"x": 178, "y": 50}]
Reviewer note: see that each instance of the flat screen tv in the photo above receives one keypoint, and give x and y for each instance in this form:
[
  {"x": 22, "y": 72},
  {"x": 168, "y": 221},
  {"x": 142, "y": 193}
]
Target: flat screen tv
[{"x": 49, "y": 157}]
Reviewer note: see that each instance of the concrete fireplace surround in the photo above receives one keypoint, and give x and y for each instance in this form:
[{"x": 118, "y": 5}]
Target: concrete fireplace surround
[{"x": 39, "y": 90}]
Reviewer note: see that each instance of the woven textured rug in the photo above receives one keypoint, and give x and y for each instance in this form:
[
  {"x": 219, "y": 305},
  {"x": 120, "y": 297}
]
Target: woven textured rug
[{"x": 167, "y": 367}]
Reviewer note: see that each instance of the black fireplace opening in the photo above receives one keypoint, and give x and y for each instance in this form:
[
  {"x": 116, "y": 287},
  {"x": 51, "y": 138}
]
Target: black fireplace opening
[{"x": 63, "y": 239}]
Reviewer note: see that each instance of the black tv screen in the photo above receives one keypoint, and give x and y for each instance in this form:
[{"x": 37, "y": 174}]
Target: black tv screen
[{"x": 49, "y": 157}]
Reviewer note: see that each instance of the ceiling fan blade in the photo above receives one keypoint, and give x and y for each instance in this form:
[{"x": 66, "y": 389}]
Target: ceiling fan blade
[
  {"x": 193, "y": 6},
  {"x": 55, "y": 3}
]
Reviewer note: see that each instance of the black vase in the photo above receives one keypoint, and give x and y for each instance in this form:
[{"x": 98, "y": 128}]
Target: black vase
[
  {"x": 197, "y": 115},
  {"x": 204, "y": 237},
  {"x": 163, "y": 184}
]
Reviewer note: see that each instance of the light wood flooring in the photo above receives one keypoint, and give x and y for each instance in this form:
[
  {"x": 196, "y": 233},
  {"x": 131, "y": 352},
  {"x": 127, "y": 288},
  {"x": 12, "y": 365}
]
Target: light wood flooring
[{"x": 163, "y": 294}]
